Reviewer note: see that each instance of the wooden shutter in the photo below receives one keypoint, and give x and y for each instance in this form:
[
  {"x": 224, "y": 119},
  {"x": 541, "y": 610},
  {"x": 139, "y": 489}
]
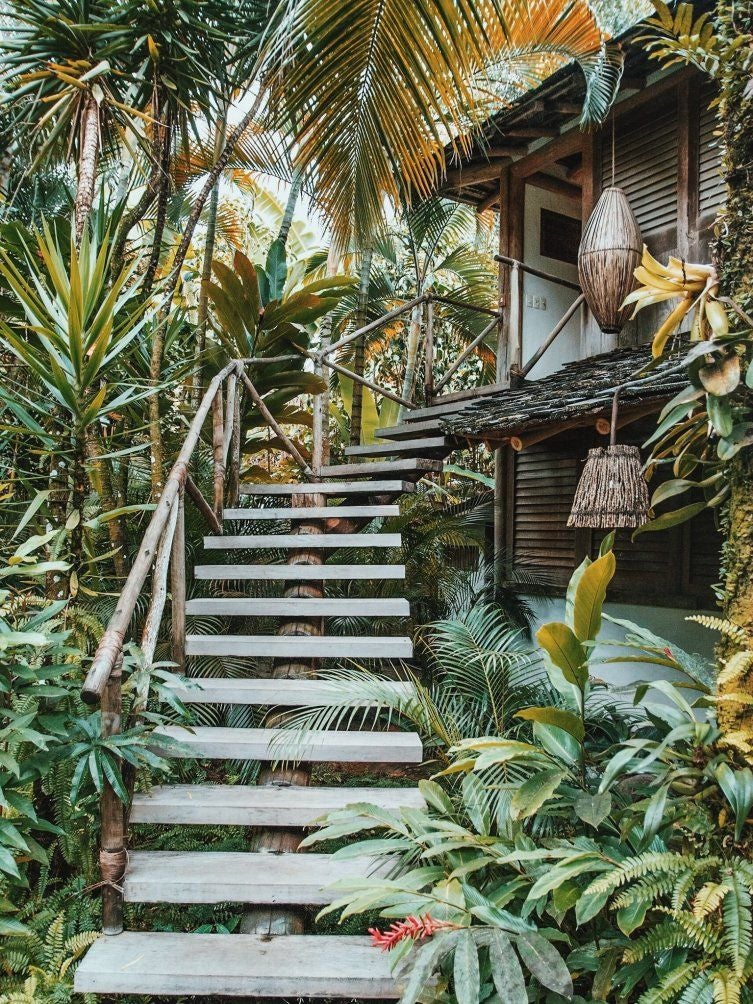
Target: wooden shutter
[
  {"x": 669, "y": 568},
  {"x": 711, "y": 189},
  {"x": 544, "y": 481},
  {"x": 646, "y": 167}
]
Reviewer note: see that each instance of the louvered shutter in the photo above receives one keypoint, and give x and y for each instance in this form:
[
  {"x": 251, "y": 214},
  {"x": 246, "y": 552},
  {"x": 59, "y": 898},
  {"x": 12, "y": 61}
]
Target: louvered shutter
[
  {"x": 545, "y": 479},
  {"x": 711, "y": 193},
  {"x": 671, "y": 568},
  {"x": 646, "y": 169}
]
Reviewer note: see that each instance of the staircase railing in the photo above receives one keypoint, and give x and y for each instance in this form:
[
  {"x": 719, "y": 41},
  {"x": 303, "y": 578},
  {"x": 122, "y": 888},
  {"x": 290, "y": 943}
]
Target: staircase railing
[{"x": 163, "y": 550}]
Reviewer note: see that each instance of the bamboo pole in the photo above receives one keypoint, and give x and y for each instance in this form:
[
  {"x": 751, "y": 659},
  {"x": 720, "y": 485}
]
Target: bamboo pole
[
  {"x": 235, "y": 447},
  {"x": 429, "y": 353},
  {"x": 368, "y": 383},
  {"x": 111, "y": 643},
  {"x": 112, "y": 857},
  {"x": 371, "y": 326},
  {"x": 571, "y": 310},
  {"x": 153, "y": 620},
  {"x": 232, "y": 390},
  {"x": 192, "y": 489},
  {"x": 178, "y": 585},
  {"x": 465, "y": 353},
  {"x": 218, "y": 437},
  {"x": 269, "y": 418}
]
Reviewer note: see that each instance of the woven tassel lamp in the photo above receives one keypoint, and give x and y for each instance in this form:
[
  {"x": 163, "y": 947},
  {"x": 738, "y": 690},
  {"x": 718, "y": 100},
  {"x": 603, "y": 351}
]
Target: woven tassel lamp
[{"x": 612, "y": 491}]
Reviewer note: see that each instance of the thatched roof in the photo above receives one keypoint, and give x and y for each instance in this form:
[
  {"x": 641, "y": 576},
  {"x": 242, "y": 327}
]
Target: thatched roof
[{"x": 576, "y": 395}]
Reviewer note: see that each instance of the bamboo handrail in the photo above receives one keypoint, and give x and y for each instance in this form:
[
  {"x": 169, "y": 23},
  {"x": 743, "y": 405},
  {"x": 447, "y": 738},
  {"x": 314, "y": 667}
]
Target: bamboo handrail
[
  {"x": 465, "y": 353},
  {"x": 539, "y": 273},
  {"x": 111, "y": 643},
  {"x": 269, "y": 418},
  {"x": 571, "y": 310},
  {"x": 383, "y": 391}
]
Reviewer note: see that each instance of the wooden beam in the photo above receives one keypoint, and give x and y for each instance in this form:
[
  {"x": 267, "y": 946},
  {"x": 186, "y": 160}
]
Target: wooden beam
[
  {"x": 530, "y": 132},
  {"x": 562, "y": 146},
  {"x": 688, "y": 142},
  {"x": 490, "y": 200},
  {"x": 558, "y": 186},
  {"x": 474, "y": 173}
]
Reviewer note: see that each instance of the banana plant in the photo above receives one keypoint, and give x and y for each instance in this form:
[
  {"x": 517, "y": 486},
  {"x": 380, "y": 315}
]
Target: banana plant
[{"x": 263, "y": 313}]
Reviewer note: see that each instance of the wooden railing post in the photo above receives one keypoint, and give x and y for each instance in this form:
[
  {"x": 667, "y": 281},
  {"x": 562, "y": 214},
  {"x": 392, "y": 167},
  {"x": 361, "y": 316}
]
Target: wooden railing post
[
  {"x": 218, "y": 437},
  {"x": 429, "y": 354},
  {"x": 178, "y": 585},
  {"x": 112, "y": 855},
  {"x": 235, "y": 445}
]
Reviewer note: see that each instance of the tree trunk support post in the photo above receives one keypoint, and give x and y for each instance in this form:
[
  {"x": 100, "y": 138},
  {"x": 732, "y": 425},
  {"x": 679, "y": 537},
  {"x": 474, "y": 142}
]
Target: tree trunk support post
[
  {"x": 429, "y": 354},
  {"x": 112, "y": 855},
  {"x": 218, "y": 437},
  {"x": 178, "y": 585},
  {"x": 235, "y": 445}
]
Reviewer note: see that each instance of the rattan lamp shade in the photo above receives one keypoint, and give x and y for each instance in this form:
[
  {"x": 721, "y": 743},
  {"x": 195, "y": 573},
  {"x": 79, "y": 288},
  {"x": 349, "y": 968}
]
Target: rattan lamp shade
[
  {"x": 610, "y": 251},
  {"x": 612, "y": 491}
]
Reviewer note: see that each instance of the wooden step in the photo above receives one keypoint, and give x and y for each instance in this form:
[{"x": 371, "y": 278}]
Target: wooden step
[
  {"x": 300, "y": 572},
  {"x": 428, "y": 427},
  {"x": 299, "y": 646},
  {"x": 157, "y": 964},
  {"x": 303, "y": 541},
  {"x": 297, "y": 606},
  {"x": 449, "y": 404},
  {"x": 280, "y": 693},
  {"x": 339, "y": 489},
  {"x": 240, "y": 876},
  {"x": 260, "y": 805},
  {"x": 409, "y": 466},
  {"x": 429, "y": 444},
  {"x": 314, "y": 512},
  {"x": 205, "y": 742}
]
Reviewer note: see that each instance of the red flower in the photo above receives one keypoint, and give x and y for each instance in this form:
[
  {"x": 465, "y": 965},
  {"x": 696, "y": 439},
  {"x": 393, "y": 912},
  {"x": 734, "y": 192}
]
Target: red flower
[
  {"x": 668, "y": 653},
  {"x": 411, "y": 927}
]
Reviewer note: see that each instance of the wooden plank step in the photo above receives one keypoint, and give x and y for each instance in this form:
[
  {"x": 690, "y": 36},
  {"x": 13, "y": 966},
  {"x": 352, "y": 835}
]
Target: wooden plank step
[
  {"x": 300, "y": 571},
  {"x": 280, "y": 693},
  {"x": 158, "y": 964},
  {"x": 314, "y": 512},
  {"x": 259, "y": 805},
  {"x": 210, "y": 743},
  {"x": 428, "y": 427},
  {"x": 428, "y": 444},
  {"x": 303, "y": 541},
  {"x": 300, "y": 646},
  {"x": 407, "y": 466},
  {"x": 240, "y": 876},
  {"x": 298, "y": 606},
  {"x": 338, "y": 489}
]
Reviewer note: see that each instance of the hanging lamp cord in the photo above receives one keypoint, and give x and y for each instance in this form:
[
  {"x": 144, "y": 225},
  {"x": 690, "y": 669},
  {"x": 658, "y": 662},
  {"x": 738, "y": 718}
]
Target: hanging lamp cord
[{"x": 613, "y": 425}]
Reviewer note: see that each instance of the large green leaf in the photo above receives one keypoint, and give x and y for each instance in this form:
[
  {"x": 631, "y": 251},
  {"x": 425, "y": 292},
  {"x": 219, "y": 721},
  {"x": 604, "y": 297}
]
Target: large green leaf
[
  {"x": 590, "y": 595},
  {"x": 558, "y": 717},
  {"x": 534, "y": 792},
  {"x": 565, "y": 650}
]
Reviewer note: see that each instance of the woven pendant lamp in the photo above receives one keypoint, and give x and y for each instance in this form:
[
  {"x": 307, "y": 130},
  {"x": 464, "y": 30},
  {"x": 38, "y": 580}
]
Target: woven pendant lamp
[
  {"x": 610, "y": 251},
  {"x": 612, "y": 491}
]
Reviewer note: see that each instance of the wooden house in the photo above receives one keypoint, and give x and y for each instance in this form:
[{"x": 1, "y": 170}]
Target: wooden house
[{"x": 544, "y": 173}]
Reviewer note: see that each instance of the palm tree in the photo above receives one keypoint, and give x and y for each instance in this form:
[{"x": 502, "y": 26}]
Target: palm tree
[{"x": 380, "y": 87}]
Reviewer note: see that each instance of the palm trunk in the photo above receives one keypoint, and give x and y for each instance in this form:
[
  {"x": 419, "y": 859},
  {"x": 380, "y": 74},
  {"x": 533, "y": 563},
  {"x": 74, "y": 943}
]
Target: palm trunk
[
  {"x": 359, "y": 361},
  {"x": 411, "y": 360},
  {"x": 206, "y": 272},
  {"x": 735, "y": 263},
  {"x": 163, "y": 194},
  {"x": 287, "y": 216},
  {"x": 212, "y": 178},
  {"x": 102, "y": 484},
  {"x": 87, "y": 163}
]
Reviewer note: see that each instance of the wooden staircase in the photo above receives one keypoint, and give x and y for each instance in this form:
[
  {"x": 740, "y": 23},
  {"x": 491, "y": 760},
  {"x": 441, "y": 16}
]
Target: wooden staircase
[{"x": 332, "y": 516}]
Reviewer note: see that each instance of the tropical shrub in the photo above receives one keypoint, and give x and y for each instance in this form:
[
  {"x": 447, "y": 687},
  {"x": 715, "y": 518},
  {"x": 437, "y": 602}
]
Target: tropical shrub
[{"x": 628, "y": 853}]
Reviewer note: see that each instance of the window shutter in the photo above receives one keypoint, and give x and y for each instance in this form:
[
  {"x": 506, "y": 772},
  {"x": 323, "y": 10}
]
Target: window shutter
[
  {"x": 645, "y": 166},
  {"x": 545, "y": 480},
  {"x": 711, "y": 189}
]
